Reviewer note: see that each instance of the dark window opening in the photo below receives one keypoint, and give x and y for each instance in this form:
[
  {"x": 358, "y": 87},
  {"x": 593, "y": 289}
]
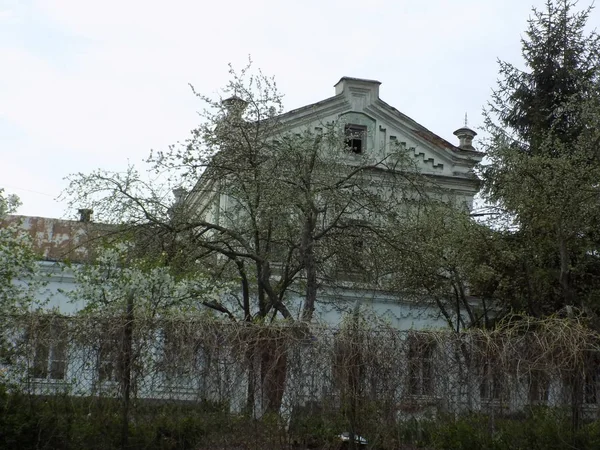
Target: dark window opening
[
  {"x": 590, "y": 388},
  {"x": 108, "y": 362},
  {"x": 539, "y": 387},
  {"x": 358, "y": 246},
  {"x": 491, "y": 387},
  {"x": 351, "y": 258},
  {"x": 50, "y": 348},
  {"x": 420, "y": 366},
  {"x": 181, "y": 355},
  {"x": 355, "y": 138}
]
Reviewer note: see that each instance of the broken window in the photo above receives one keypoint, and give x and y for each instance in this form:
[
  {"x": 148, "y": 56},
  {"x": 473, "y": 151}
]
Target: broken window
[{"x": 355, "y": 138}]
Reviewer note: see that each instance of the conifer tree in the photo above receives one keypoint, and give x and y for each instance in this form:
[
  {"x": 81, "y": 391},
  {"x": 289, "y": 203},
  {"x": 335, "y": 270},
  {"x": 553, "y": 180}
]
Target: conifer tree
[{"x": 543, "y": 123}]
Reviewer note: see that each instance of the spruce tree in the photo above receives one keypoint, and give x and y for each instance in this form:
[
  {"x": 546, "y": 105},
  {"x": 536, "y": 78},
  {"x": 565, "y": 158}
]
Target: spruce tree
[
  {"x": 562, "y": 68},
  {"x": 543, "y": 171}
]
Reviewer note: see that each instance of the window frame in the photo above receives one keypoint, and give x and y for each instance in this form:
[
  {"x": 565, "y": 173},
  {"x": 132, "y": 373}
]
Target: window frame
[
  {"x": 420, "y": 357},
  {"x": 50, "y": 349},
  {"x": 492, "y": 384},
  {"x": 355, "y": 132},
  {"x": 538, "y": 392},
  {"x": 108, "y": 363}
]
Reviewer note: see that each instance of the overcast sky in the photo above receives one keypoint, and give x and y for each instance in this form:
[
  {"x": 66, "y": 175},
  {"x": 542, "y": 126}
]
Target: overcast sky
[{"x": 87, "y": 84}]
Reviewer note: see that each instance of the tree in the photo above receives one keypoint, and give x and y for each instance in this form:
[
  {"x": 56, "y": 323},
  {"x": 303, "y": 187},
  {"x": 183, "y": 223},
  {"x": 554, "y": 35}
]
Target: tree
[
  {"x": 19, "y": 273},
  {"x": 543, "y": 151},
  {"x": 543, "y": 105},
  {"x": 281, "y": 210},
  {"x": 126, "y": 301}
]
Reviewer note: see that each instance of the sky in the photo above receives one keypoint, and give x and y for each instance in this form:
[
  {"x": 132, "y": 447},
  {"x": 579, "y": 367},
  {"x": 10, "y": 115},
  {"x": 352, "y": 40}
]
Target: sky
[{"x": 98, "y": 84}]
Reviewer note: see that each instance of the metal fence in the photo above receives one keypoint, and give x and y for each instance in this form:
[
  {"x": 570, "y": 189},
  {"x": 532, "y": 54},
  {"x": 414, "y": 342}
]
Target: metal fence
[{"x": 364, "y": 377}]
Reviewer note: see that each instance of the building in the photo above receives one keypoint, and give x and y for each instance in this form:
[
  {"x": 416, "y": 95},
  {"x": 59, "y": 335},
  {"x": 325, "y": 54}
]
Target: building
[
  {"x": 372, "y": 131},
  {"x": 425, "y": 376},
  {"x": 59, "y": 243}
]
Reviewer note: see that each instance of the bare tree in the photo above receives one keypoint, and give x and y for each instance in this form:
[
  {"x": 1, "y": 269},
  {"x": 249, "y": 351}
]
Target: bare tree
[{"x": 282, "y": 208}]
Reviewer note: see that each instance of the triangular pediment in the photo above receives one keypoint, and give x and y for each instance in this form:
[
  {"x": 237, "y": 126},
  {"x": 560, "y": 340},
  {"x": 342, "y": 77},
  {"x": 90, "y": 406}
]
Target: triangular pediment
[{"x": 357, "y": 101}]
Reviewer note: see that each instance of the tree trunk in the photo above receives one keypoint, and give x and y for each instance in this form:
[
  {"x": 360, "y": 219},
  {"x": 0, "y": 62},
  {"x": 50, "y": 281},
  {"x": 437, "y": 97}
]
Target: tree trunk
[
  {"x": 126, "y": 360},
  {"x": 250, "y": 393},
  {"x": 565, "y": 271},
  {"x": 308, "y": 256},
  {"x": 245, "y": 291},
  {"x": 262, "y": 304},
  {"x": 273, "y": 373}
]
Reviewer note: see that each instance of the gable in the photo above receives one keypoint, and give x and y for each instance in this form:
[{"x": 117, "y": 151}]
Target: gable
[{"x": 357, "y": 102}]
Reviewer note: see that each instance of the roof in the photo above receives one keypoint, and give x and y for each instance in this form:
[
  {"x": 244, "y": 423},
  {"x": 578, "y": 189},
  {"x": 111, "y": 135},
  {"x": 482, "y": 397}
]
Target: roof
[
  {"x": 416, "y": 128},
  {"x": 363, "y": 80},
  {"x": 58, "y": 239}
]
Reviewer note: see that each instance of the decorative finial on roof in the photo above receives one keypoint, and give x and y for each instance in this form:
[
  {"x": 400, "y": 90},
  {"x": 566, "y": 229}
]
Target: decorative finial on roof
[
  {"x": 235, "y": 105},
  {"x": 465, "y": 136},
  {"x": 85, "y": 214}
]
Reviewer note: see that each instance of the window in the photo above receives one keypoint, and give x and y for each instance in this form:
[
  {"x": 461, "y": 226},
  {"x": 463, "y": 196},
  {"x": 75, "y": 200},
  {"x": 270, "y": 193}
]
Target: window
[
  {"x": 420, "y": 365},
  {"x": 590, "y": 388},
  {"x": 351, "y": 252},
  {"x": 50, "y": 349},
  {"x": 354, "y": 253},
  {"x": 108, "y": 356},
  {"x": 490, "y": 388},
  {"x": 538, "y": 387},
  {"x": 179, "y": 352},
  {"x": 355, "y": 138},
  {"x": 351, "y": 257}
]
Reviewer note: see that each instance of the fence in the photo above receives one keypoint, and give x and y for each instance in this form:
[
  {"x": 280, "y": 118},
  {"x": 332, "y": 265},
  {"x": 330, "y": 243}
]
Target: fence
[{"x": 131, "y": 382}]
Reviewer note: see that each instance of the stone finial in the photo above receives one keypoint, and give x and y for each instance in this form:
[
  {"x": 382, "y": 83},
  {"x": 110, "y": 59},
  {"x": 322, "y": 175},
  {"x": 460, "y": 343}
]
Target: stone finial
[
  {"x": 85, "y": 214},
  {"x": 465, "y": 136},
  {"x": 235, "y": 106},
  {"x": 179, "y": 194}
]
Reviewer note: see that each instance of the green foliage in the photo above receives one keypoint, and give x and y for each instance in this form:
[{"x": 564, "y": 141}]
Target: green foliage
[
  {"x": 116, "y": 276},
  {"x": 562, "y": 64},
  {"x": 468, "y": 433},
  {"x": 544, "y": 166},
  {"x": 8, "y": 203},
  {"x": 311, "y": 427},
  {"x": 540, "y": 429},
  {"x": 17, "y": 261},
  {"x": 20, "y": 276},
  {"x": 63, "y": 422},
  {"x": 449, "y": 258}
]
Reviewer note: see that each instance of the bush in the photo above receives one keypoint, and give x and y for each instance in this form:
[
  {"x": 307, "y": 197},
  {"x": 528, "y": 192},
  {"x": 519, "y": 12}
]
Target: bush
[
  {"x": 539, "y": 429},
  {"x": 69, "y": 422}
]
